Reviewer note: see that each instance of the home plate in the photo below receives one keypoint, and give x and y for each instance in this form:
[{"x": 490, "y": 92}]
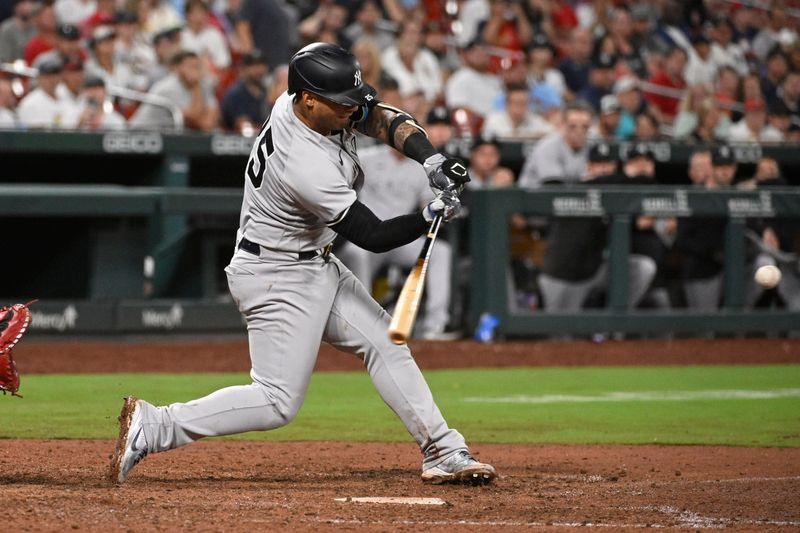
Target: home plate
[{"x": 394, "y": 500}]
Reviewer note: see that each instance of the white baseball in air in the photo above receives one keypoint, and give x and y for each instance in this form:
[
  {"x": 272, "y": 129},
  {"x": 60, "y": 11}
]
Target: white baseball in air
[{"x": 768, "y": 276}]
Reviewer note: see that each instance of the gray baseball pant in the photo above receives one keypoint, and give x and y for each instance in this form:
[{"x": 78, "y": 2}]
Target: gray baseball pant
[
  {"x": 703, "y": 294},
  {"x": 562, "y": 295},
  {"x": 290, "y": 306}
]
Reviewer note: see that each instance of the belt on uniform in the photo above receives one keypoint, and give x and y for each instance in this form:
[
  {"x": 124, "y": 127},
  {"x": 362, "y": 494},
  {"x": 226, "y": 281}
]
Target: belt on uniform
[{"x": 255, "y": 249}]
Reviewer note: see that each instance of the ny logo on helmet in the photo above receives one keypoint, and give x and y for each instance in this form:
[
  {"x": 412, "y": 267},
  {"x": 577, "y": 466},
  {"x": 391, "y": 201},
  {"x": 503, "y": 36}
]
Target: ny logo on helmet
[{"x": 357, "y": 77}]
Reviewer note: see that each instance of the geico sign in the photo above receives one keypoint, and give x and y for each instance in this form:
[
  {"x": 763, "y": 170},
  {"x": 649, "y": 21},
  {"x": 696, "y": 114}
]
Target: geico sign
[
  {"x": 135, "y": 143},
  {"x": 231, "y": 145}
]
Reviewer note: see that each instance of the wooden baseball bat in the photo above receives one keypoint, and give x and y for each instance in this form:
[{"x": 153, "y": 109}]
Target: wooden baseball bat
[{"x": 405, "y": 312}]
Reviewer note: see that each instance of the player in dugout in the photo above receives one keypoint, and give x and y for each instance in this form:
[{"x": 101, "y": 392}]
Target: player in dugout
[
  {"x": 301, "y": 189},
  {"x": 576, "y": 263}
]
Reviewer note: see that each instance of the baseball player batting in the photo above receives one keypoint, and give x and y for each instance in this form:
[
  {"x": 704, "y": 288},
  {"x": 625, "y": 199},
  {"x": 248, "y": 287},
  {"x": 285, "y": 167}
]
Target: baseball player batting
[{"x": 301, "y": 188}]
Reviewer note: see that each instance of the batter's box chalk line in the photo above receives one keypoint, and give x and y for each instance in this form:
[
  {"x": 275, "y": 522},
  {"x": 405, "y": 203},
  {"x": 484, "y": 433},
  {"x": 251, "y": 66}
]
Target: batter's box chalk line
[{"x": 393, "y": 500}]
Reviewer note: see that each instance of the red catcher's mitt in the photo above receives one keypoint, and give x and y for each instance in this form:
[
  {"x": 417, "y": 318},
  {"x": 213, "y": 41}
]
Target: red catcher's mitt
[{"x": 14, "y": 320}]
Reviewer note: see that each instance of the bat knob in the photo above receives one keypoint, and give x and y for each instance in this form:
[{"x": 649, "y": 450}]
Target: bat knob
[{"x": 397, "y": 338}]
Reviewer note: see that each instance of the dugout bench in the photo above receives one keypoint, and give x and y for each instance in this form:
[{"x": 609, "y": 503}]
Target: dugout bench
[{"x": 489, "y": 241}]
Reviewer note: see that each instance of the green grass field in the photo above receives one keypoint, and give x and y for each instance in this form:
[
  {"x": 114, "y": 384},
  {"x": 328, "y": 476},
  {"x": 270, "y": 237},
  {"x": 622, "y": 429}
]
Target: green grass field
[{"x": 733, "y": 405}]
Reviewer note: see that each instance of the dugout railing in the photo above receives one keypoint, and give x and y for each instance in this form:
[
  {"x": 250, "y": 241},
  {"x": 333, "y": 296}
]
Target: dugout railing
[{"x": 490, "y": 214}]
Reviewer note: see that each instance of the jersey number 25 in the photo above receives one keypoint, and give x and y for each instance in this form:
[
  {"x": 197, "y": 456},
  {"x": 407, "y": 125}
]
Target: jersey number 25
[{"x": 264, "y": 149}]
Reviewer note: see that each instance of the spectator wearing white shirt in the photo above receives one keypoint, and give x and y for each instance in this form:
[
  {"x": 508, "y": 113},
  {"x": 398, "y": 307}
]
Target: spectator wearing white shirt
[
  {"x": 204, "y": 39},
  {"x": 101, "y": 64},
  {"x": 41, "y": 108},
  {"x": 166, "y": 44},
  {"x": 700, "y": 66},
  {"x": 415, "y": 68},
  {"x": 472, "y": 86},
  {"x": 771, "y": 35},
  {"x": 540, "y": 70},
  {"x": 725, "y": 52},
  {"x": 753, "y": 128},
  {"x": 8, "y": 119},
  {"x": 93, "y": 111},
  {"x": 72, "y": 79},
  {"x": 516, "y": 121},
  {"x": 133, "y": 49},
  {"x": 470, "y": 15}
]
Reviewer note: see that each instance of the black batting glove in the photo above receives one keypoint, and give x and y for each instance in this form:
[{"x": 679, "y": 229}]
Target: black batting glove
[{"x": 446, "y": 173}]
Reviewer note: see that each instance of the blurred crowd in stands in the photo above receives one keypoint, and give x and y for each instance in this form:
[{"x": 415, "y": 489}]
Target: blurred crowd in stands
[
  {"x": 573, "y": 75},
  {"x": 700, "y": 70}
]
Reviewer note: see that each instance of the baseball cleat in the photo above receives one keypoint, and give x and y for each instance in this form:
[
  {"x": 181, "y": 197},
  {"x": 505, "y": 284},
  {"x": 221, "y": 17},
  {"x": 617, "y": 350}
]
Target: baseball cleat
[
  {"x": 14, "y": 321},
  {"x": 461, "y": 467},
  {"x": 131, "y": 444}
]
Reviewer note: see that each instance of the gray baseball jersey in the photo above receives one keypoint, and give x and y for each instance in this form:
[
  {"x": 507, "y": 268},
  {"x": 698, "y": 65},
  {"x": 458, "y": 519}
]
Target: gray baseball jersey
[{"x": 297, "y": 183}]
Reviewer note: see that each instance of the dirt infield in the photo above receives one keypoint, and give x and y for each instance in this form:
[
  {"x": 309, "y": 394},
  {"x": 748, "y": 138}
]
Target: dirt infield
[
  {"x": 231, "y": 355},
  {"x": 244, "y": 486},
  {"x": 247, "y": 486}
]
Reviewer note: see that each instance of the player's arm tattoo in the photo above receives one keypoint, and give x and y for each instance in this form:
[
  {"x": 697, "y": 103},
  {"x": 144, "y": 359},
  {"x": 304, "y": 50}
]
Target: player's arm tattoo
[{"x": 396, "y": 128}]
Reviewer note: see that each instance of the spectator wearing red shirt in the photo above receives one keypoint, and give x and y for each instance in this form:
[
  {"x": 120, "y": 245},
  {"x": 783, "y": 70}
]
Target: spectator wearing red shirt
[
  {"x": 563, "y": 18},
  {"x": 666, "y": 107},
  {"x": 45, "y": 38},
  {"x": 67, "y": 45},
  {"x": 507, "y": 27}
]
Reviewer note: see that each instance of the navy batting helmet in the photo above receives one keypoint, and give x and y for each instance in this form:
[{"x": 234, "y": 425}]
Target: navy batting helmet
[{"x": 329, "y": 71}]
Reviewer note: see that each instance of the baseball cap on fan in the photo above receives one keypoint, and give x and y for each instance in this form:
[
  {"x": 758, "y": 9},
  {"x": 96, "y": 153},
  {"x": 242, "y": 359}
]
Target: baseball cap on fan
[
  {"x": 254, "y": 57},
  {"x": 102, "y": 33},
  {"x": 438, "y": 115},
  {"x": 125, "y": 17},
  {"x": 601, "y": 153},
  {"x": 482, "y": 141},
  {"x": 48, "y": 65},
  {"x": 641, "y": 150},
  {"x": 609, "y": 105},
  {"x": 625, "y": 84},
  {"x": 69, "y": 32},
  {"x": 723, "y": 155},
  {"x": 540, "y": 40}
]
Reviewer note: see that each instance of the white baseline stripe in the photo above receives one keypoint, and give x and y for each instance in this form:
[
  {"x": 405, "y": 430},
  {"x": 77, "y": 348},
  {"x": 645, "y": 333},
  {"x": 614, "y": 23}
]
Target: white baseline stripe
[
  {"x": 689, "y": 520},
  {"x": 644, "y": 396}
]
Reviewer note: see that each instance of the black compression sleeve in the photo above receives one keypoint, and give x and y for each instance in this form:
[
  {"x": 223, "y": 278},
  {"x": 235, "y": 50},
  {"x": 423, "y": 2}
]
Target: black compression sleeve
[
  {"x": 418, "y": 147},
  {"x": 361, "y": 227}
]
